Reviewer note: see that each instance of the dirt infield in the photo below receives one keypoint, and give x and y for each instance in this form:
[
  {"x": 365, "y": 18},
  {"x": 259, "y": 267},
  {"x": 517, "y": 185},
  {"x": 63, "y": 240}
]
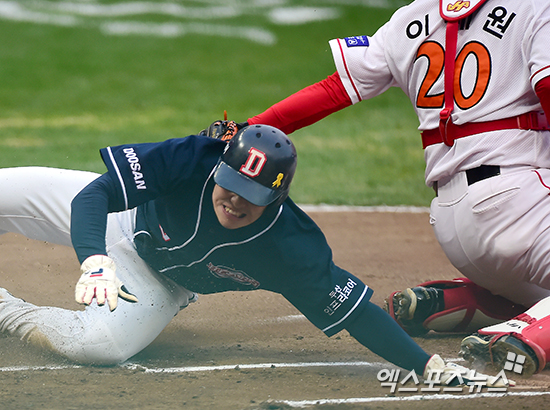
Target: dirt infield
[{"x": 243, "y": 350}]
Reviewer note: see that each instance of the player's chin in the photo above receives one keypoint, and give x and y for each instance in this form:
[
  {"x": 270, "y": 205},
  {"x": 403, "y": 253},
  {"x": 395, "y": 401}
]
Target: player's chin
[
  {"x": 230, "y": 220},
  {"x": 231, "y": 224}
]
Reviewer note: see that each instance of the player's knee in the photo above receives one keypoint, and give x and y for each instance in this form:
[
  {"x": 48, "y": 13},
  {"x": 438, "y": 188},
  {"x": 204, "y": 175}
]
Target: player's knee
[
  {"x": 98, "y": 354},
  {"x": 98, "y": 345}
]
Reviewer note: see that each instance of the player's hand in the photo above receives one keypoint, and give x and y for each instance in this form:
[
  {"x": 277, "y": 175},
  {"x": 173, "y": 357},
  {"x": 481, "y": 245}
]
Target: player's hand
[
  {"x": 223, "y": 130},
  {"x": 98, "y": 280},
  {"x": 453, "y": 374}
]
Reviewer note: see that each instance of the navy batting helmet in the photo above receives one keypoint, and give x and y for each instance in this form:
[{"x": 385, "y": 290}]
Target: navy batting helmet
[{"x": 258, "y": 164}]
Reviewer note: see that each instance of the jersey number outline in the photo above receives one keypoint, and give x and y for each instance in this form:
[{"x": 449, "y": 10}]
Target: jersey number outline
[{"x": 435, "y": 53}]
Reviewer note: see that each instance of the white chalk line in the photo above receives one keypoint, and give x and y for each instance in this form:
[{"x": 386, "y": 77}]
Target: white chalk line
[
  {"x": 285, "y": 319},
  {"x": 299, "y": 403},
  {"x": 79, "y": 14},
  {"x": 420, "y": 397},
  {"x": 72, "y": 14},
  {"x": 192, "y": 369},
  {"x": 36, "y": 368},
  {"x": 350, "y": 208},
  {"x": 253, "y": 366},
  {"x": 255, "y": 34}
]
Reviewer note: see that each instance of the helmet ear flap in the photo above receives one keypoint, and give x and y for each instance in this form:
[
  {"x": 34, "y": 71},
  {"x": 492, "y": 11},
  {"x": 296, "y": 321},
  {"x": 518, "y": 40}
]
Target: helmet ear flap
[{"x": 282, "y": 198}]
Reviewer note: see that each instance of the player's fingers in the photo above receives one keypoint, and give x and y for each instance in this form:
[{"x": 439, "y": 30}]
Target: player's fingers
[
  {"x": 87, "y": 295},
  {"x": 79, "y": 293},
  {"x": 100, "y": 293},
  {"x": 112, "y": 298},
  {"x": 126, "y": 295}
]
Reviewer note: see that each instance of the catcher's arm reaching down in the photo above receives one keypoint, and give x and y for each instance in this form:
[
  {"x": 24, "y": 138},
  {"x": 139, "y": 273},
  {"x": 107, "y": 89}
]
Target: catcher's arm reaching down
[{"x": 306, "y": 106}]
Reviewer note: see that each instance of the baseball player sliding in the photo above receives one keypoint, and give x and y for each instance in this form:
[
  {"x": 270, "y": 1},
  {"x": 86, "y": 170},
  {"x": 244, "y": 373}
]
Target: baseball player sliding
[
  {"x": 176, "y": 218},
  {"x": 478, "y": 76}
]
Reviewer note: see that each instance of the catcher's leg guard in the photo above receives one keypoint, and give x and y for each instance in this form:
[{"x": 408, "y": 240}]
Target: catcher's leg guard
[
  {"x": 457, "y": 305},
  {"x": 521, "y": 344}
]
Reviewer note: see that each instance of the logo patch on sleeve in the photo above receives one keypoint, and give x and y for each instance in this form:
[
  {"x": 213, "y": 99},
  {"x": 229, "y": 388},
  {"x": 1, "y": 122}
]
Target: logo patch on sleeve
[
  {"x": 357, "y": 41},
  {"x": 224, "y": 272}
]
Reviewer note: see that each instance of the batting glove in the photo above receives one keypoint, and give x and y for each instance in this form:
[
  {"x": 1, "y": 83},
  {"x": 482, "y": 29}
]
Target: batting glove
[{"x": 99, "y": 281}]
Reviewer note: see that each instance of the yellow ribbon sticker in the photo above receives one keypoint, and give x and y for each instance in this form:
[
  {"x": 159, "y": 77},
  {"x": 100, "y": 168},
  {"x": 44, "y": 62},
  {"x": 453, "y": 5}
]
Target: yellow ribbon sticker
[{"x": 277, "y": 182}]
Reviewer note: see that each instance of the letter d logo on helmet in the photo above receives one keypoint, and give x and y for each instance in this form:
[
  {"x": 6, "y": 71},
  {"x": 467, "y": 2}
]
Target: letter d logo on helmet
[
  {"x": 258, "y": 165},
  {"x": 254, "y": 164}
]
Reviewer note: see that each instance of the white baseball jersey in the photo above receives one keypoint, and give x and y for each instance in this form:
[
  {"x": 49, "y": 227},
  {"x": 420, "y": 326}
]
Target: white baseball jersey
[{"x": 502, "y": 52}]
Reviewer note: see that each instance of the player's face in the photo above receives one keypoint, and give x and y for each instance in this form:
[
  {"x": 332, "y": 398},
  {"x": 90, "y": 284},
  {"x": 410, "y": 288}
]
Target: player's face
[{"x": 232, "y": 210}]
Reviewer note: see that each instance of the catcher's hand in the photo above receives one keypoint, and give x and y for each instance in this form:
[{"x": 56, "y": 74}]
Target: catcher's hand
[
  {"x": 223, "y": 130},
  {"x": 99, "y": 281}
]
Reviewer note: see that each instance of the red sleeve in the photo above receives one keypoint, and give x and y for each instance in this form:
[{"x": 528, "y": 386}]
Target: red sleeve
[
  {"x": 543, "y": 92},
  {"x": 307, "y": 106}
]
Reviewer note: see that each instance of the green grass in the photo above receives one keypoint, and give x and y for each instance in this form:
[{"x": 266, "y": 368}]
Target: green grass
[{"x": 69, "y": 91}]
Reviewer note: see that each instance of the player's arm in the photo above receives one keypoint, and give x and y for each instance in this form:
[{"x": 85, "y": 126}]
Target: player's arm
[
  {"x": 307, "y": 106},
  {"x": 89, "y": 210},
  {"x": 542, "y": 88},
  {"x": 373, "y": 328}
]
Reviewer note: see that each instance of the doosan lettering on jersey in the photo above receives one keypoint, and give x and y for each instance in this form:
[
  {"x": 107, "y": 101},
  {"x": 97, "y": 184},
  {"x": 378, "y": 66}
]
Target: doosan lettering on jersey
[{"x": 135, "y": 166}]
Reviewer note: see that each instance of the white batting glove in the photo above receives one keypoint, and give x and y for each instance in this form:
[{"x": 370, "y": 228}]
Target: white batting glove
[{"x": 99, "y": 281}]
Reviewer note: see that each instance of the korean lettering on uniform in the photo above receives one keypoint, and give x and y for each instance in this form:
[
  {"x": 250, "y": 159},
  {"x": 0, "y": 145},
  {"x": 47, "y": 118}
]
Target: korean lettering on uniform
[
  {"x": 339, "y": 295},
  {"x": 497, "y": 23}
]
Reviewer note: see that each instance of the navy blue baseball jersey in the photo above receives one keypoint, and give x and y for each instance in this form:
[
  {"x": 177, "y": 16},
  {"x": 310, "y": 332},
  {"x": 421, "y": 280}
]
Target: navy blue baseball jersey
[{"x": 178, "y": 234}]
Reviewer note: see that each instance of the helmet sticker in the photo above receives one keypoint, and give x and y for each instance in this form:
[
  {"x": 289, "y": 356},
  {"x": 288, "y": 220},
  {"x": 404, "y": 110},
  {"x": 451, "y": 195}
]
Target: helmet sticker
[
  {"x": 277, "y": 182},
  {"x": 254, "y": 163}
]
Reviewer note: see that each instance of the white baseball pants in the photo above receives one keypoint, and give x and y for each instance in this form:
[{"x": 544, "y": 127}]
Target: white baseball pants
[
  {"x": 496, "y": 231},
  {"x": 36, "y": 202}
]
